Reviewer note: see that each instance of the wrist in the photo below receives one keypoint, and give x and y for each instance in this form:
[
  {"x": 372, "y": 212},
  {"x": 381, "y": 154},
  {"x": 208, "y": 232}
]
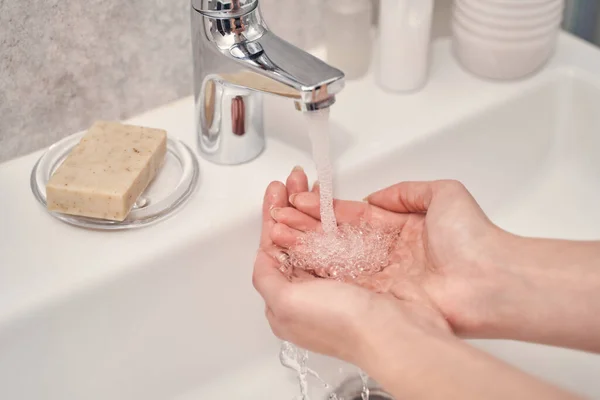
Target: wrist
[
  {"x": 407, "y": 361},
  {"x": 396, "y": 327},
  {"x": 486, "y": 283}
]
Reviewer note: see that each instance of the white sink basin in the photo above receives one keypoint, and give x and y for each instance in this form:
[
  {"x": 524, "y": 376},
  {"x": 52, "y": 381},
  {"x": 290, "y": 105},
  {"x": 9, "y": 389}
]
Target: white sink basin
[
  {"x": 531, "y": 160},
  {"x": 532, "y": 163},
  {"x": 169, "y": 312}
]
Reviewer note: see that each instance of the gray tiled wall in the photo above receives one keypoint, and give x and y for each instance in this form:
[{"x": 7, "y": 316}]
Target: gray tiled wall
[{"x": 64, "y": 63}]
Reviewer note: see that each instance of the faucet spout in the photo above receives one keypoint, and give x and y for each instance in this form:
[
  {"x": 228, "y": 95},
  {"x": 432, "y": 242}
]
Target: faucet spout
[
  {"x": 236, "y": 59},
  {"x": 287, "y": 71}
]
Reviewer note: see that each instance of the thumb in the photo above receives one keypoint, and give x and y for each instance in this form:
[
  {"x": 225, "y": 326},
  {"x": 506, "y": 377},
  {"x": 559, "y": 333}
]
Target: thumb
[{"x": 408, "y": 197}]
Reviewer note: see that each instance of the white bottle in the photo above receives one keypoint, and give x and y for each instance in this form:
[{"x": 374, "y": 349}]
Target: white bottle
[
  {"x": 348, "y": 36},
  {"x": 404, "y": 41}
]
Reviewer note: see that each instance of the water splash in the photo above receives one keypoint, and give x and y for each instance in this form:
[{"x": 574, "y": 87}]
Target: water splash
[
  {"x": 351, "y": 253},
  {"x": 296, "y": 359},
  {"x": 365, "y": 385}
]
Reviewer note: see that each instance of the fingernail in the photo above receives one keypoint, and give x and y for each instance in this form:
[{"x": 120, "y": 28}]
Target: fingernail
[
  {"x": 366, "y": 199},
  {"x": 316, "y": 184},
  {"x": 279, "y": 255},
  {"x": 293, "y": 198},
  {"x": 298, "y": 168},
  {"x": 275, "y": 213},
  {"x": 282, "y": 257}
]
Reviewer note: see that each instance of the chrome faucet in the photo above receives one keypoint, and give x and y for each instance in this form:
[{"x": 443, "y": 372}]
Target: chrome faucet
[{"x": 237, "y": 59}]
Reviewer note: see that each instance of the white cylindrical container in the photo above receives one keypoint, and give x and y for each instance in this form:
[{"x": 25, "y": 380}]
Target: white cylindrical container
[
  {"x": 348, "y": 36},
  {"x": 404, "y": 38}
]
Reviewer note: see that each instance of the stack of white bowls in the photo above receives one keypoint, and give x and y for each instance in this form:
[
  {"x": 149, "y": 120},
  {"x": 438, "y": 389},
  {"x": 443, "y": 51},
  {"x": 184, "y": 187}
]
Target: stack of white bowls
[{"x": 505, "y": 39}]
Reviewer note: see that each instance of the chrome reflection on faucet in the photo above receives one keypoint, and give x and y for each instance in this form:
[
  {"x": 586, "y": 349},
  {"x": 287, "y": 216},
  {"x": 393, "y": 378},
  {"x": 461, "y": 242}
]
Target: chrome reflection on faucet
[{"x": 236, "y": 60}]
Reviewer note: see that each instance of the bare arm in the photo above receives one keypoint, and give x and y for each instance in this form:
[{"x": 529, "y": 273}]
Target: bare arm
[
  {"x": 417, "y": 366},
  {"x": 548, "y": 292}
]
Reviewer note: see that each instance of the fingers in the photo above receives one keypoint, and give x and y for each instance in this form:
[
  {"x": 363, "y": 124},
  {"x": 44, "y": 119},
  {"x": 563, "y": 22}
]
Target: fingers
[
  {"x": 295, "y": 219},
  {"x": 276, "y": 196},
  {"x": 301, "y": 275},
  {"x": 267, "y": 278},
  {"x": 285, "y": 237},
  {"x": 297, "y": 182},
  {"x": 277, "y": 254},
  {"x": 410, "y": 197},
  {"x": 348, "y": 212}
]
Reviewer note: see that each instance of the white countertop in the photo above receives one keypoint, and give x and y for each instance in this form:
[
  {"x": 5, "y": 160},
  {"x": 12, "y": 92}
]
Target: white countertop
[{"x": 43, "y": 260}]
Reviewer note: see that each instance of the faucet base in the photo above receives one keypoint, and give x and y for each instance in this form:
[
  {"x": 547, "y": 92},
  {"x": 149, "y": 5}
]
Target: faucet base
[
  {"x": 236, "y": 59},
  {"x": 230, "y": 126}
]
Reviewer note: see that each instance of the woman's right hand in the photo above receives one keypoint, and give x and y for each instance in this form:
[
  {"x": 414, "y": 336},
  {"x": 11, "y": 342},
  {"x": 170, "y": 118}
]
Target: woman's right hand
[
  {"x": 493, "y": 284},
  {"x": 459, "y": 253}
]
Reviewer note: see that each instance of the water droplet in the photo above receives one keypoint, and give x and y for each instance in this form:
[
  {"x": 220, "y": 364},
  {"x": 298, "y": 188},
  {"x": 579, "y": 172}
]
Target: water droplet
[{"x": 141, "y": 203}]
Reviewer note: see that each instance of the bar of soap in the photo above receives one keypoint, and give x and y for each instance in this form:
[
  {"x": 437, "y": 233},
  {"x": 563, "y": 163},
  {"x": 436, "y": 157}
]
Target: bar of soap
[{"x": 107, "y": 171}]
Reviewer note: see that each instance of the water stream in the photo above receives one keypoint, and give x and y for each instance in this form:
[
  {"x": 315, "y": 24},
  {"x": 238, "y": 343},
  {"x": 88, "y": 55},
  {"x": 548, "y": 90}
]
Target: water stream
[{"x": 318, "y": 130}]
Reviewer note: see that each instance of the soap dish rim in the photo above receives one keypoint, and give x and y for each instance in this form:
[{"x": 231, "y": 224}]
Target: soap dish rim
[{"x": 177, "y": 148}]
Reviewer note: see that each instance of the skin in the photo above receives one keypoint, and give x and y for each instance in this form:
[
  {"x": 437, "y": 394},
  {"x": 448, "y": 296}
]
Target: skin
[{"x": 458, "y": 274}]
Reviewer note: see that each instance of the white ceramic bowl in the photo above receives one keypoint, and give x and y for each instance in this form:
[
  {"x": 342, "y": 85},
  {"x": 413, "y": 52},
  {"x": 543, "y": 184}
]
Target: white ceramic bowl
[
  {"x": 491, "y": 21},
  {"x": 512, "y": 11},
  {"x": 486, "y": 31},
  {"x": 501, "y": 60}
]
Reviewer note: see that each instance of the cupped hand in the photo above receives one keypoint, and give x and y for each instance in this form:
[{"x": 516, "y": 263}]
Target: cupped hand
[
  {"x": 329, "y": 317},
  {"x": 448, "y": 254}
]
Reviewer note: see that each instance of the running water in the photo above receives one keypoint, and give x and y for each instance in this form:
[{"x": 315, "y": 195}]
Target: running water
[
  {"x": 344, "y": 253},
  {"x": 318, "y": 131}
]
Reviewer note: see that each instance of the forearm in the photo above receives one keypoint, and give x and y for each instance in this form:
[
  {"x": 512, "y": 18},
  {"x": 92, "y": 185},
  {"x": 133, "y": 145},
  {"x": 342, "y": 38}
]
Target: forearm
[
  {"x": 424, "y": 367},
  {"x": 550, "y": 294}
]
